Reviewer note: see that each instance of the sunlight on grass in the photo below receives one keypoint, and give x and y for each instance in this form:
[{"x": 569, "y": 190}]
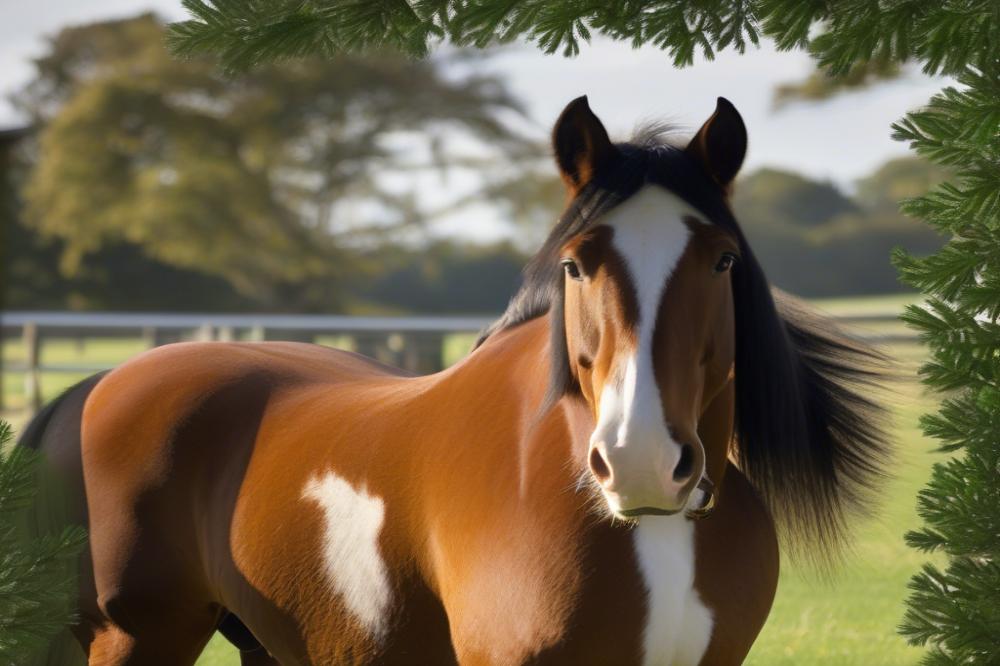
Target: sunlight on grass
[{"x": 219, "y": 652}]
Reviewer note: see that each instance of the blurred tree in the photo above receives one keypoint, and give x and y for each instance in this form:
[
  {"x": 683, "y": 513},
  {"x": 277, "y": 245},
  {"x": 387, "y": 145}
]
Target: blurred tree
[
  {"x": 446, "y": 277},
  {"x": 779, "y": 197},
  {"x": 899, "y": 179},
  {"x": 118, "y": 276},
  {"x": 264, "y": 180},
  {"x": 822, "y": 83},
  {"x": 532, "y": 201},
  {"x": 9, "y": 206},
  {"x": 816, "y": 241}
]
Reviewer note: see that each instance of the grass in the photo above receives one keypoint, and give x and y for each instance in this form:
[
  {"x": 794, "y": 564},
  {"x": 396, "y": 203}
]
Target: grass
[
  {"x": 849, "y": 615},
  {"x": 845, "y": 617}
]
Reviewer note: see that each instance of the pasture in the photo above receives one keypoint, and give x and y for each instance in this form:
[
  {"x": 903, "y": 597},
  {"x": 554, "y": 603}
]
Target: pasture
[{"x": 844, "y": 616}]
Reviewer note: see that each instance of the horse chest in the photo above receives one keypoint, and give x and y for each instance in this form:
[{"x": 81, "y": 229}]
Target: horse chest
[
  {"x": 636, "y": 596},
  {"x": 505, "y": 616},
  {"x": 678, "y": 625}
]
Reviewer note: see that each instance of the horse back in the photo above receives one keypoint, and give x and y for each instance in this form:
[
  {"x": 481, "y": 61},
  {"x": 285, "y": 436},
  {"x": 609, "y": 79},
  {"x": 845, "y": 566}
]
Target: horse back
[{"x": 188, "y": 415}]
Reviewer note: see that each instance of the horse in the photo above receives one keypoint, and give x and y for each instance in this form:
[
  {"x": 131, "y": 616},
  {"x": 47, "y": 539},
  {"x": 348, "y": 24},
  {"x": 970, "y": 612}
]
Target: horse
[{"x": 604, "y": 479}]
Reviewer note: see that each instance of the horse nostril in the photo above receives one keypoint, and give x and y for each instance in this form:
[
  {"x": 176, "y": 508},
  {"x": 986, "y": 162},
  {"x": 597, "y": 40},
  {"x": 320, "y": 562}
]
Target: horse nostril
[
  {"x": 599, "y": 466},
  {"x": 684, "y": 465}
]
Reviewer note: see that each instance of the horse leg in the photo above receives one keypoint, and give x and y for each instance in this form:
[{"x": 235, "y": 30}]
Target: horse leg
[
  {"x": 152, "y": 638},
  {"x": 252, "y": 653},
  {"x": 257, "y": 657}
]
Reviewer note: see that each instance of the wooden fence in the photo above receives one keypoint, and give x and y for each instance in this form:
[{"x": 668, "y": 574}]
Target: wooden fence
[{"x": 414, "y": 343}]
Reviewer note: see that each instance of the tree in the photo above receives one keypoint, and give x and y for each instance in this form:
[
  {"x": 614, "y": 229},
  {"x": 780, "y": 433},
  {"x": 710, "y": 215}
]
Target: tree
[
  {"x": 953, "y": 609},
  {"x": 898, "y": 179},
  {"x": 37, "y": 558},
  {"x": 268, "y": 180},
  {"x": 815, "y": 241},
  {"x": 780, "y": 197},
  {"x": 823, "y": 84},
  {"x": 446, "y": 277}
]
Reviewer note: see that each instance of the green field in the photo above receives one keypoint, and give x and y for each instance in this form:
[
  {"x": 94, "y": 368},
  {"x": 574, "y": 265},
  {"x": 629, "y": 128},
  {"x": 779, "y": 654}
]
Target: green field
[{"x": 844, "y": 617}]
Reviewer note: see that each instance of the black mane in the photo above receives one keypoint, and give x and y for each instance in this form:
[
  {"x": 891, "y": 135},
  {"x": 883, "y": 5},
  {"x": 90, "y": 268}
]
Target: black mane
[{"x": 809, "y": 436}]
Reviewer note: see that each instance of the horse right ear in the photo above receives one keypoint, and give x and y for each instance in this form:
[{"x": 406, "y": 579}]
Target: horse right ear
[
  {"x": 581, "y": 144},
  {"x": 721, "y": 143}
]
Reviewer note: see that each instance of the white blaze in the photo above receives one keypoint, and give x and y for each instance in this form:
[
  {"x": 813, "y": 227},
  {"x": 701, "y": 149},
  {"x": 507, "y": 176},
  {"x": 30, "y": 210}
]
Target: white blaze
[{"x": 650, "y": 235}]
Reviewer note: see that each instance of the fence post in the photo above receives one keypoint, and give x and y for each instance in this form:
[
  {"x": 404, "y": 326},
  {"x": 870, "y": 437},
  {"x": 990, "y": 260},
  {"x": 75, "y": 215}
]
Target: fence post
[
  {"x": 148, "y": 337},
  {"x": 1, "y": 370},
  {"x": 374, "y": 345},
  {"x": 423, "y": 352},
  {"x": 32, "y": 383}
]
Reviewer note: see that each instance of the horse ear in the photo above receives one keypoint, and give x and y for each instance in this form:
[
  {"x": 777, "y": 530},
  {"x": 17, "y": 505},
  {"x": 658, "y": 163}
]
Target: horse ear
[
  {"x": 581, "y": 144},
  {"x": 721, "y": 143}
]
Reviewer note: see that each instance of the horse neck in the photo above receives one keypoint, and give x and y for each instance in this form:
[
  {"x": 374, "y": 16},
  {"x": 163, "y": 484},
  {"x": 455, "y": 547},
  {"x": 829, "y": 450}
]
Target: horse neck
[{"x": 498, "y": 445}]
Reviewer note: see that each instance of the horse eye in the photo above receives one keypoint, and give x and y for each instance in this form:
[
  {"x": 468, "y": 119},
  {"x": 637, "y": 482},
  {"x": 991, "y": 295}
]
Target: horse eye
[
  {"x": 726, "y": 262},
  {"x": 572, "y": 269}
]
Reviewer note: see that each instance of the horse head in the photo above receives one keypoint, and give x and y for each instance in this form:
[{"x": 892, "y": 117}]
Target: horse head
[{"x": 648, "y": 312}]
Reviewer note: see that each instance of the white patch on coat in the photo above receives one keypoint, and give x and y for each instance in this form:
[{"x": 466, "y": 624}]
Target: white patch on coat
[
  {"x": 678, "y": 625},
  {"x": 650, "y": 235},
  {"x": 354, "y": 567}
]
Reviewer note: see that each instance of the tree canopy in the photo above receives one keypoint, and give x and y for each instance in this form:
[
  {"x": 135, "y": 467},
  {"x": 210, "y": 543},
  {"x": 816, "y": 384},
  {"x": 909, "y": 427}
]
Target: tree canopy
[
  {"x": 814, "y": 240},
  {"x": 944, "y": 35},
  {"x": 822, "y": 84},
  {"x": 264, "y": 179}
]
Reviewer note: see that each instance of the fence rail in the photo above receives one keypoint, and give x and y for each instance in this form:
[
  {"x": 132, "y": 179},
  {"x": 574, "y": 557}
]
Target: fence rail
[{"x": 414, "y": 343}]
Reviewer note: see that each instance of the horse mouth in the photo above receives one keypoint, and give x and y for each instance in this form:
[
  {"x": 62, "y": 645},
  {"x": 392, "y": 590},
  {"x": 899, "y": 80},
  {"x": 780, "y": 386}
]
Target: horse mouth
[
  {"x": 705, "y": 506},
  {"x": 648, "y": 511}
]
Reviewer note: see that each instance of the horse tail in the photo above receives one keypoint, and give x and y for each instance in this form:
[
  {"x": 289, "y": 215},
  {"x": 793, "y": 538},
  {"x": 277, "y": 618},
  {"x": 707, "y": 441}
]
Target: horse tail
[
  {"x": 34, "y": 434},
  {"x": 53, "y": 434}
]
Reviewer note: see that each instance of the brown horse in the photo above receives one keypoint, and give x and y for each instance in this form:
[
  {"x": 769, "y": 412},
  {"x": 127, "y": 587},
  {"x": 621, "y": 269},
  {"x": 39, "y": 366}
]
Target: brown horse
[{"x": 597, "y": 483}]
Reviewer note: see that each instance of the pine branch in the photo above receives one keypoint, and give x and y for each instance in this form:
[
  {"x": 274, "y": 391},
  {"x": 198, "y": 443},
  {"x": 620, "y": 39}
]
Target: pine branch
[
  {"x": 37, "y": 583},
  {"x": 244, "y": 35}
]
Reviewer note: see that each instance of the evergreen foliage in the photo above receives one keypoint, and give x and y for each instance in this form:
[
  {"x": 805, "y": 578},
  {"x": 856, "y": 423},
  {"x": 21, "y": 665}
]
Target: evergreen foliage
[
  {"x": 955, "y": 609},
  {"x": 37, "y": 585},
  {"x": 244, "y": 34},
  {"x": 821, "y": 84}
]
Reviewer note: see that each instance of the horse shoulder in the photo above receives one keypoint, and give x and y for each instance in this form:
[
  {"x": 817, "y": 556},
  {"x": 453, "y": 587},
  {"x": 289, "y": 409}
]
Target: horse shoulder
[{"x": 736, "y": 568}]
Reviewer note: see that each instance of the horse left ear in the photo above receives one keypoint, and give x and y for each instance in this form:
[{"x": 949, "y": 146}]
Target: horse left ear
[
  {"x": 721, "y": 143},
  {"x": 581, "y": 144}
]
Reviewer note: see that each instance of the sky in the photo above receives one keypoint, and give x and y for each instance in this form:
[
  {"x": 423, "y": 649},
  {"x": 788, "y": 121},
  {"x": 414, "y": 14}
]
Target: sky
[{"x": 840, "y": 140}]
